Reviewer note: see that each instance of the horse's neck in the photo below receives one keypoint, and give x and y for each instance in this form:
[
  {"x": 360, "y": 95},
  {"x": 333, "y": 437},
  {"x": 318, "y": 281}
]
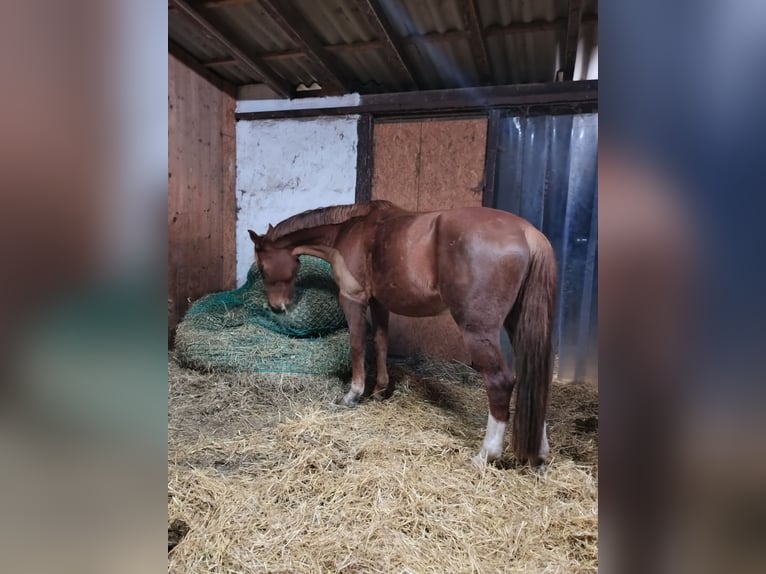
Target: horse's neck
[{"x": 317, "y": 241}]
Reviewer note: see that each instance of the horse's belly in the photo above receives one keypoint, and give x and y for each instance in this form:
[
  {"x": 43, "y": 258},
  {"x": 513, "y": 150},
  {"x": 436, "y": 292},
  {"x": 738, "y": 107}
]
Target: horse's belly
[{"x": 412, "y": 305}]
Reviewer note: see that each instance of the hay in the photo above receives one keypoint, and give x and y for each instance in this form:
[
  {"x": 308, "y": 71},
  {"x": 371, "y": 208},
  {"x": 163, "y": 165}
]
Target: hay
[
  {"x": 237, "y": 330},
  {"x": 270, "y": 476}
]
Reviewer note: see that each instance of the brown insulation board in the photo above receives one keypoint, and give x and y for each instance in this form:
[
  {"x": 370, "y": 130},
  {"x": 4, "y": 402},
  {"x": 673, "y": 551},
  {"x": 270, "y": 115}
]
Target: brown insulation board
[{"x": 427, "y": 165}]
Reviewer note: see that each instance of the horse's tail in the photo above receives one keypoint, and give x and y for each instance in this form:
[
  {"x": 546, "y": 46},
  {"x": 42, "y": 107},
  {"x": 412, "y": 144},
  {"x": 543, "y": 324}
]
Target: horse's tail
[{"x": 530, "y": 327}]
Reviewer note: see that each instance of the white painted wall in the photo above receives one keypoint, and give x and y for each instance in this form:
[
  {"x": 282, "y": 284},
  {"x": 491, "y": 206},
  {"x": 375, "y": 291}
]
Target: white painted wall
[{"x": 288, "y": 166}]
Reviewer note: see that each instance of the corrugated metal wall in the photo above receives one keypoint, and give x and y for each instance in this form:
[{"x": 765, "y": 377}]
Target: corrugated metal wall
[{"x": 547, "y": 172}]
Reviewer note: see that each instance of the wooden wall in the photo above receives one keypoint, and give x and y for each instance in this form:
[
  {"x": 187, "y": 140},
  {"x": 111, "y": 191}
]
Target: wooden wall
[
  {"x": 201, "y": 189},
  {"x": 427, "y": 165}
]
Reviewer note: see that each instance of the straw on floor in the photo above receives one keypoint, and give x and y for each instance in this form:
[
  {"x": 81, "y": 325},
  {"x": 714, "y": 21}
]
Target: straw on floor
[{"x": 267, "y": 474}]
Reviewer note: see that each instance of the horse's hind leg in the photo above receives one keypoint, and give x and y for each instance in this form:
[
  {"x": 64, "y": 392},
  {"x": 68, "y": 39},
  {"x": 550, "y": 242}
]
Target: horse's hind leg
[
  {"x": 383, "y": 387},
  {"x": 487, "y": 357}
]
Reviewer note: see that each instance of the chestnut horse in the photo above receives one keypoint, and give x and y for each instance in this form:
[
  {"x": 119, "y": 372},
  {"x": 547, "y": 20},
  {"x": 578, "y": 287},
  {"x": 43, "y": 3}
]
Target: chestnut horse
[{"x": 488, "y": 268}]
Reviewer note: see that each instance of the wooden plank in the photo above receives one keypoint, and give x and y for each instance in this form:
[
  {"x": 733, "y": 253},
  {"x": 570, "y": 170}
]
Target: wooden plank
[
  {"x": 364, "y": 158},
  {"x": 470, "y": 10},
  {"x": 573, "y": 38},
  {"x": 555, "y": 97},
  {"x": 490, "y": 163},
  {"x": 251, "y": 63},
  {"x": 191, "y": 62},
  {"x": 229, "y": 194},
  {"x": 395, "y": 52},
  {"x": 201, "y": 194},
  {"x": 292, "y": 22}
]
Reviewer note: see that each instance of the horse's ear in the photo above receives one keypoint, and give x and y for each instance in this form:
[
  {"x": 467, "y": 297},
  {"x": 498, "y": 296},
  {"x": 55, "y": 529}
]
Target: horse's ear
[
  {"x": 271, "y": 228},
  {"x": 257, "y": 239}
]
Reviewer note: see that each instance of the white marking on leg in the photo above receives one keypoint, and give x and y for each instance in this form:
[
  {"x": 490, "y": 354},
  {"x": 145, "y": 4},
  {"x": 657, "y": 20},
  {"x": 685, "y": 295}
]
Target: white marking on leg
[
  {"x": 351, "y": 398},
  {"x": 493, "y": 440},
  {"x": 544, "y": 447}
]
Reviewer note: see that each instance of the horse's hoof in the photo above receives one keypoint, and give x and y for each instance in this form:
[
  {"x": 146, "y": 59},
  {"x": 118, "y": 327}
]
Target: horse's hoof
[
  {"x": 480, "y": 460},
  {"x": 347, "y": 401}
]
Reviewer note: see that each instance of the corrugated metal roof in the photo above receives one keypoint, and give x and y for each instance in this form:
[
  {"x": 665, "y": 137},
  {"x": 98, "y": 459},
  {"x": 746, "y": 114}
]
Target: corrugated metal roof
[
  {"x": 530, "y": 55},
  {"x": 445, "y": 65},
  {"x": 373, "y": 71},
  {"x": 411, "y": 17},
  {"x": 251, "y": 27},
  {"x": 337, "y": 21},
  {"x": 188, "y": 34}
]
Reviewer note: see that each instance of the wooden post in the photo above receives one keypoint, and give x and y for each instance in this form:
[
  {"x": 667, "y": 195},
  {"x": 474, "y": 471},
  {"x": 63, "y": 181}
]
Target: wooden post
[{"x": 364, "y": 158}]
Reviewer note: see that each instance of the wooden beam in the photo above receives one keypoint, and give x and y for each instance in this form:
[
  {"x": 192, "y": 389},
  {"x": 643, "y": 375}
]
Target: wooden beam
[
  {"x": 555, "y": 97},
  {"x": 294, "y": 24},
  {"x": 490, "y": 161},
  {"x": 395, "y": 52},
  {"x": 220, "y": 3},
  {"x": 536, "y": 26},
  {"x": 364, "y": 158},
  {"x": 252, "y": 64},
  {"x": 573, "y": 38},
  {"x": 218, "y": 63},
  {"x": 191, "y": 62},
  {"x": 472, "y": 22}
]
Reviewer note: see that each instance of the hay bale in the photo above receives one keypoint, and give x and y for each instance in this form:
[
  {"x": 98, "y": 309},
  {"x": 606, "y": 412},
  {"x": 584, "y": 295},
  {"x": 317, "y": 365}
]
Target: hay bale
[{"x": 237, "y": 330}]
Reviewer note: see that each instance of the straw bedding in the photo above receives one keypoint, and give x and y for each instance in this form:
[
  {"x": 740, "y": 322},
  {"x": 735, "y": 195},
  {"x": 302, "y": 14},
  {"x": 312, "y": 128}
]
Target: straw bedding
[{"x": 266, "y": 474}]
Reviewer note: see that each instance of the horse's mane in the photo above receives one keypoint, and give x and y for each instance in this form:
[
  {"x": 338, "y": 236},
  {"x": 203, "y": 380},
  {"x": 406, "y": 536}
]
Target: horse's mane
[{"x": 325, "y": 216}]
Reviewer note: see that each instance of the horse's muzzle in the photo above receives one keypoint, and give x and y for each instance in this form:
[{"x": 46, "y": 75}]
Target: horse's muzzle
[{"x": 281, "y": 308}]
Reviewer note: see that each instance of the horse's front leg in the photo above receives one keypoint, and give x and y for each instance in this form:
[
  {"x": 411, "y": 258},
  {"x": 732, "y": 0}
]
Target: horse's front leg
[
  {"x": 356, "y": 317},
  {"x": 383, "y": 388}
]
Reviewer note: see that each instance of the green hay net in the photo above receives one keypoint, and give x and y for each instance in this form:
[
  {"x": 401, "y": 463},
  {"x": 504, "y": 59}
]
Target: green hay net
[{"x": 237, "y": 330}]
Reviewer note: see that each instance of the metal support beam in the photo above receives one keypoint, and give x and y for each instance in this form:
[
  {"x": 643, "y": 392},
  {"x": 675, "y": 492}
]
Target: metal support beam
[
  {"x": 253, "y": 64},
  {"x": 294, "y": 24},
  {"x": 395, "y": 48},
  {"x": 573, "y": 38},
  {"x": 490, "y": 158},
  {"x": 476, "y": 37}
]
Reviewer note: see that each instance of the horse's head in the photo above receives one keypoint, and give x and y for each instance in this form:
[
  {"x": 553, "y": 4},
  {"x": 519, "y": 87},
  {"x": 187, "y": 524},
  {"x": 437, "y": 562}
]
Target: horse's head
[{"x": 278, "y": 267}]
